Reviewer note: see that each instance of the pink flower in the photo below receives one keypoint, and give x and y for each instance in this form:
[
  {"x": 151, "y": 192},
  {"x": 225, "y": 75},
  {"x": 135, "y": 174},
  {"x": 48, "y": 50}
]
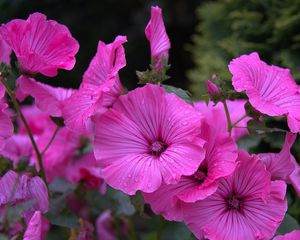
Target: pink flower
[
  {"x": 86, "y": 231},
  {"x": 281, "y": 164},
  {"x": 41, "y": 45},
  {"x": 34, "y": 228},
  {"x": 100, "y": 87},
  {"x": 25, "y": 189},
  {"x": 6, "y": 125},
  {"x": 48, "y": 99},
  {"x": 216, "y": 114},
  {"x": 5, "y": 52},
  {"x": 158, "y": 38},
  {"x": 104, "y": 227},
  {"x": 17, "y": 147},
  {"x": 85, "y": 169},
  {"x": 271, "y": 89},
  {"x": 294, "y": 235},
  {"x": 294, "y": 179},
  {"x": 148, "y": 137},
  {"x": 219, "y": 162},
  {"x": 247, "y": 205},
  {"x": 59, "y": 153},
  {"x": 212, "y": 88},
  {"x": 38, "y": 121}
]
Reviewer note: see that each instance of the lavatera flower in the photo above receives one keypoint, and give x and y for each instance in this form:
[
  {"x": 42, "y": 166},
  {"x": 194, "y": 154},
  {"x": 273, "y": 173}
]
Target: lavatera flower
[
  {"x": 271, "y": 89},
  {"x": 219, "y": 162},
  {"x": 247, "y": 205},
  {"x": 148, "y": 138},
  {"x": 41, "y": 45}
]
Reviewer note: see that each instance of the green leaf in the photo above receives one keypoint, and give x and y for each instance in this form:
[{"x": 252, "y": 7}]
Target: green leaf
[
  {"x": 15, "y": 213},
  {"x": 65, "y": 219},
  {"x": 257, "y": 127},
  {"x": 122, "y": 204},
  {"x": 139, "y": 204},
  {"x": 3, "y": 237},
  {"x": 60, "y": 185},
  {"x": 249, "y": 142},
  {"x": 58, "y": 203},
  {"x": 185, "y": 95},
  {"x": 288, "y": 224}
]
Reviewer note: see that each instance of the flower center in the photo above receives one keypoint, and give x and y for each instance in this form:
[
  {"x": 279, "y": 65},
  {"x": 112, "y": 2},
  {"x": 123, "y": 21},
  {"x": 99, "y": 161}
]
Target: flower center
[
  {"x": 234, "y": 202},
  {"x": 201, "y": 174},
  {"x": 157, "y": 148}
]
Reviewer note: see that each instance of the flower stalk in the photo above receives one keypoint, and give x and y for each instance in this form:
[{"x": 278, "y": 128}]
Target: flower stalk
[{"x": 21, "y": 116}]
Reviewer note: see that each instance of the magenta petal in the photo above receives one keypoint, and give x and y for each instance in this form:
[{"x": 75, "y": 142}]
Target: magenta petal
[
  {"x": 146, "y": 138},
  {"x": 38, "y": 191},
  {"x": 17, "y": 147},
  {"x": 109, "y": 59},
  {"x": 294, "y": 235},
  {"x": 271, "y": 90},
  {"x": 165, "y": 202},
  {"x": 157, "y": 36},
  {"x": 216, "y": 114},
  {"x": 81, "y": 106},
  {"x": 11, "y": 181},
  {"x": 104, "y": 227},
  {"x": 5, "y": 52},
  {"x": 99, "y": 89},
  {"x": 60, "y": 152},
  {"x": 34, "y": 228},
  {"x": 294, "y": 179},
  {"x": 246, "y": 205},
  {"x": 41, "y": 45},
  {"x": 48, "y": 99},
  {"x": 280, "y": 165},
  {"x": 6, "y": 125}
]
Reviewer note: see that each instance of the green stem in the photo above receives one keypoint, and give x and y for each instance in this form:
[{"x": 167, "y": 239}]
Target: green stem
[
  {"x": 51, "y": 140},
  {"x": 238, "y": 121},
  {"x": 21, "y": 116},
  {"x": 160, "y": 228},
  {"x": 132, "y": 234},
  {"x": 229, "y": 124}
]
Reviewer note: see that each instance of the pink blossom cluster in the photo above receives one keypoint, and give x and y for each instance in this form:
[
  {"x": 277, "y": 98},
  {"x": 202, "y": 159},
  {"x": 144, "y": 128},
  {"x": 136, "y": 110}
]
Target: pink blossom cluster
[{"x": 181, "y": 156}]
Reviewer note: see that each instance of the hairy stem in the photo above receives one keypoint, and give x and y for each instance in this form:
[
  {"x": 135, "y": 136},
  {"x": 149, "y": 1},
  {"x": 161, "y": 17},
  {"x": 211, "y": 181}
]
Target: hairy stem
[{"x": 21, "y": 116}]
